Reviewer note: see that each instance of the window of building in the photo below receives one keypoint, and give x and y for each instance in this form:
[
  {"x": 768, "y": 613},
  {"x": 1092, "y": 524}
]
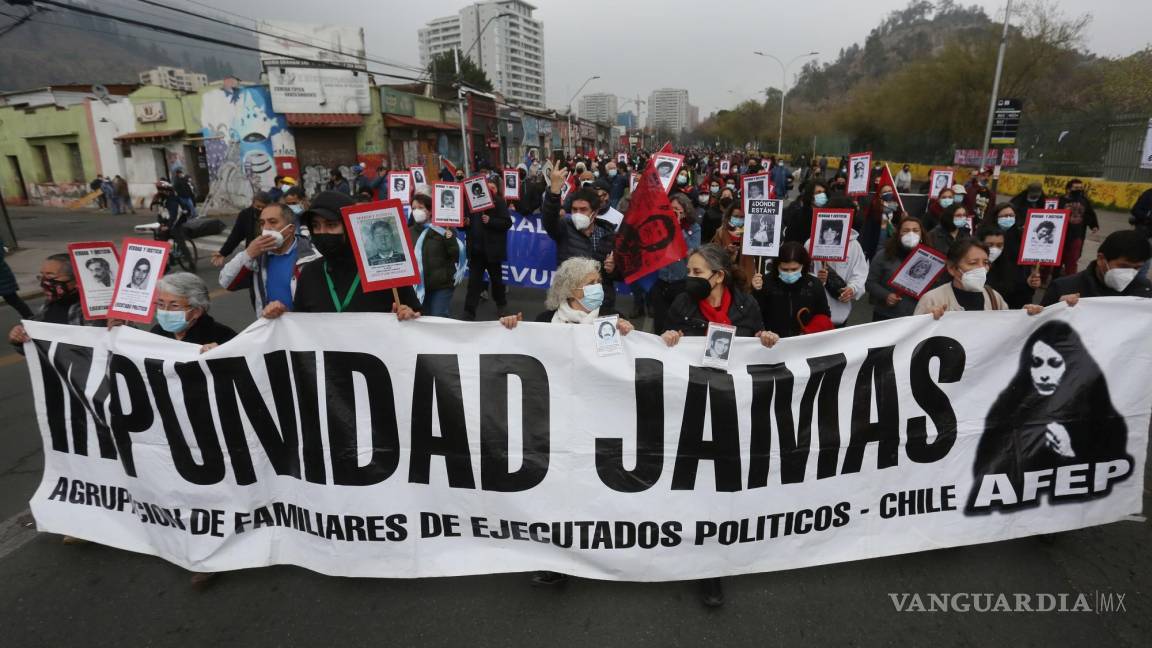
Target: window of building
[
  {"x": 45, "y": 166},
  {"x": 76, "y": 162}
]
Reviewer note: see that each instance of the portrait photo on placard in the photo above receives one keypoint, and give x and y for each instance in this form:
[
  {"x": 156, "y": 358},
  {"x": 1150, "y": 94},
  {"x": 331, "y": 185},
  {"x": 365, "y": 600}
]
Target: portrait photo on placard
[
  {"x": 477, "y": 193},
  {"x": 1043, "y": 239},
  {"x": 418, "y": 177},
  {"x": 762, "y": 228},
  {"x": 95, "y": 266},
  {"x": 381, "y": 243},
  {"x": 621, "y": 158},
  {"x": 858, "y": 169},
  {"x": 918, "y": 273},
  {"x": 448, "y": 204},
  {"x": 511, "y": 184},
  {"x": 400, "y": 186},
  {"x": 140, "y": 268},
  {"x": 940, "y": 179},
  {"x": 667, "y": 168},
  {"x": 725, "y": 167},
  {"x": 831, "y": 233},
  {"x": 607, "y": 336},
  {"x": 718, "y": 345}
]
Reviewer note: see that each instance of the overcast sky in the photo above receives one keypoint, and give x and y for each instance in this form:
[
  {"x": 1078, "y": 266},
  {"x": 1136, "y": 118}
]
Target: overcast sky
[{"x": 627, "y": 43}]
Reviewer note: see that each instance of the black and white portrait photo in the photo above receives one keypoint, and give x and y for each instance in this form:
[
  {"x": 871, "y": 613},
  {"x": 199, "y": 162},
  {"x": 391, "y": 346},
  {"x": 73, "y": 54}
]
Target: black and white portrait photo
[
  {"x": 100, "y": 271},
  {"x": 385, "y": 245},
  {"x": 96, "y": 267},
  {"x": 511, "y": 184},
  {"x": 400, "y": 186},
  {"x": 1056, "y": 411},
  {"x": 667, "y": 168},
  {"x": 1043, "y": 242},
  {"x": 479, "y": 196},
  {"x": 859, "y": 163},
  {"x": 918, "y": 272},
  {"x": 418, "y": 175},
  {"x": 142, "y": 266},
  {"x": 830, "y": 234},
  {"x": 718, "y": 345}
]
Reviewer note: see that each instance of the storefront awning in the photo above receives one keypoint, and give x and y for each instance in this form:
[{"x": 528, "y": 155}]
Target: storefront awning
[
  {"x": 150, "y": 136},
  {"x": 324, "y": 120},
  {"x": 399, "y": 121}
]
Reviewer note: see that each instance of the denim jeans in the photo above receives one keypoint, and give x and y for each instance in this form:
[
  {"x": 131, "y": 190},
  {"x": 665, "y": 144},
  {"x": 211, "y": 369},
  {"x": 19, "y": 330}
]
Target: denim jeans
[
  {"x": 190, "y": 205},
  {"x": 438, "y": 303}
]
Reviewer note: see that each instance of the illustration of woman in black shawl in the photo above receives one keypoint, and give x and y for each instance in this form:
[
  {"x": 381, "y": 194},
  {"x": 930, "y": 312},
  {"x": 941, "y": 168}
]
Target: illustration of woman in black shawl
[{"x": 1055, "y": 412}]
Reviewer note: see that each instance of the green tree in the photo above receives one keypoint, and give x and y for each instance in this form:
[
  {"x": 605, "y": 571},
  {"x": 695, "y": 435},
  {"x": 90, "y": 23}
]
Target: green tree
[{"x": 442, "y": 69}]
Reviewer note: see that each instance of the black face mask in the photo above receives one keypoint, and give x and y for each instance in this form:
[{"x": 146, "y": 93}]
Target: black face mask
[
  {"x": 334, "y": 247},
  {"x": 697, "y": 287}
]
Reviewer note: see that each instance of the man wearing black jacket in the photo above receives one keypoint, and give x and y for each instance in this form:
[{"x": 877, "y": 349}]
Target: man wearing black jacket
[
  {"x": 1114, "y": 273},
  {"x": 581, "y": 234},
  {"x": 487, "y": 249},
  {"x": 331, "y": 284}
]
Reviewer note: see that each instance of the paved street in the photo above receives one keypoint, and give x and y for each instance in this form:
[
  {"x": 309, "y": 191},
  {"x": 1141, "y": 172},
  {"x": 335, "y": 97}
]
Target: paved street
[{"x": 57, "y": 595}]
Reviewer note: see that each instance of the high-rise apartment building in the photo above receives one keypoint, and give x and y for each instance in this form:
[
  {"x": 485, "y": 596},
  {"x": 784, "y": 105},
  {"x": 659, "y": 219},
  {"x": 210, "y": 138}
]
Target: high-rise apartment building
[
  {"x": 598, "y": 107},
  {"x": 510, "y": 49},
  {"x": 668, "y": 108}
]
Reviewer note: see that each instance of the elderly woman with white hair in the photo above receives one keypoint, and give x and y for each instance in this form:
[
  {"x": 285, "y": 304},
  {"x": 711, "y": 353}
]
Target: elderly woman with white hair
[
  {"x": 574, "y": 297},
  {"x": 182, "y": 312}
]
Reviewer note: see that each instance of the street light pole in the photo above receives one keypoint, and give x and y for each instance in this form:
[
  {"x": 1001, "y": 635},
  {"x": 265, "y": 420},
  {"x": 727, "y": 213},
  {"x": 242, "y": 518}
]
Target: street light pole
[
  {"x": 572, "y": 150},
  {"x": 783, "y": 92},
  {"x": 460, "y": 89},
  {"x": 995, "y": 86}
]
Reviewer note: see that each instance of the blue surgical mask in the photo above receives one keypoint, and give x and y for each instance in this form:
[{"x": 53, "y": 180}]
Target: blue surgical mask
[
  {"x": 736, "y": 222},
  {"x": 611, "y": 173},
  {"x": 960, "y": 222},
  {"x": 1006, "y": 222},
  {"x": 945, "y": 202},
  {"x": 297, "y": 208},
  {"x": 593, "y": 297},
  {"x": 791, "y": 277},
  {"x": 172, "y": 321},
  {"x": 820, "y": 199}
]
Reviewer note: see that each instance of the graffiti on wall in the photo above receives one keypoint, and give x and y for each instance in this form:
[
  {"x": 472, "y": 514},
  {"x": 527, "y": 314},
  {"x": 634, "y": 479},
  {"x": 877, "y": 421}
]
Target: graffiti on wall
[
  {"x": 242, "y": 139},
  {"x": 315, "y": 177}
]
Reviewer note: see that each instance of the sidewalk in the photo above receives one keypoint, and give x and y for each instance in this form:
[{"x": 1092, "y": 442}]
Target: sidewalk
[{"x": 43, "y": 231}]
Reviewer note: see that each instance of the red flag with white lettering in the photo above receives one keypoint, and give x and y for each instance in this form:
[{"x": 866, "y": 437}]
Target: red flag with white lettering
[{"x": 650, "y": 236}]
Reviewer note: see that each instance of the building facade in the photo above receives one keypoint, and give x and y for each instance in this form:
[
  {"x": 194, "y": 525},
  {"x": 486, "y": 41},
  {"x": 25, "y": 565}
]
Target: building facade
[
  {"x": 510, "y": 50},
  {"x": 174, "y": 79},
  {"x": 598, "y": 107},
  {"x": 668, "y": 109}
]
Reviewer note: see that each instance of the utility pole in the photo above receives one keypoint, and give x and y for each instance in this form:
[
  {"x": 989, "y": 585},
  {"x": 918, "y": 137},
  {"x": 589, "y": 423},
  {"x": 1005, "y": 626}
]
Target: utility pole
[
  {"x": 460, "y": 108},
  {"x": 995, "y": 89}
]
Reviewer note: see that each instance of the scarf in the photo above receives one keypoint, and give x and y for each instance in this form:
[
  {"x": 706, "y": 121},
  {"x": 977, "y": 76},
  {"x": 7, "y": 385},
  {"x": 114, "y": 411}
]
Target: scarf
[
  {"x": 568, "y": 315},
  {"x": 461, "y": 262},
  {"x": 719, "y": 314}
]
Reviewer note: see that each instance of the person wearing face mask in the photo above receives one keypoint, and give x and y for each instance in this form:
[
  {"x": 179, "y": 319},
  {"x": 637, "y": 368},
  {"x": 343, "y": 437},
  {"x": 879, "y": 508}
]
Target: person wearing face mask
[
  {"x": 1030, "y": 198},
  {"x": 887, "y": 303},
  {"x": 969, "y": 290},
  {"x": 934, "y": 212},
  {"x": 1005, "y": 276},
  {"x": 271, "y": 262},
  {"x": 797, "y": 216},
  {"x": 182, "y": 303},
  {"x": 440, "y": 257},
  {"x": 61, "y": 299},
  {"x": 670, "y": 282},
  {"x": 1081, "y": 219},
  {"x": 9, "y": 288},
  {"x": 487, "y": 249},
  {"x": 331, "y": 283},
  {"x": 683, "y": 184},
  {"x": 904, "y": 179},
  {"x": 618, "y": 183},
  {"x": 788, "y": 290},
  {"x": 1114, "y": 273},
  {"x": 581, "y": 233},
  {"x": 978, "y": 197},
  {"x": 730, "y": 236},
  {"x": 839, "y": 184},
  {"x": 843, "y": 281},
  {"x": 244, "y": 229},
  {"x": 953, "y": 227},
  {"x": 879, "y": 219},
  {"x": 713, "y": 215}
]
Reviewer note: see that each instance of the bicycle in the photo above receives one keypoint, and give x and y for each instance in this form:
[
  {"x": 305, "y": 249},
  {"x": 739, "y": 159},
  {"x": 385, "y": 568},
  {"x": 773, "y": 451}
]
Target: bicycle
[{"x": 184, "y": 253}]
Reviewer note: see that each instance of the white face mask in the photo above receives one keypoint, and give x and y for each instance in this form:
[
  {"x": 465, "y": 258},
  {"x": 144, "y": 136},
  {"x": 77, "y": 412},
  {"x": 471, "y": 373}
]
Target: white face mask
[
  {"x": 994, "y": 253},
  {"x": 581, "y": 221},
  {"x": 419, "y": 215},
  {"x": 910, "y": 240},
  {"x": 973, "y": 280},
  {"x": 278, "y": 235},
  {"x": 1118, "y": 278}
]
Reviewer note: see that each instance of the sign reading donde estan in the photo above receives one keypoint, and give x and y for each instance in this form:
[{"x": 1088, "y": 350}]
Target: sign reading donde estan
[{"x": 359, "y": 445}]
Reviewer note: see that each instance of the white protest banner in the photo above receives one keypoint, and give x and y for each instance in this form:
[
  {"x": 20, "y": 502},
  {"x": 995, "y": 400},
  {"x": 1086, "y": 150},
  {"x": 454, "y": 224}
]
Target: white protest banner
[
  {"x": 95, "y": 266},
  {"x": 360, "y": 445}
]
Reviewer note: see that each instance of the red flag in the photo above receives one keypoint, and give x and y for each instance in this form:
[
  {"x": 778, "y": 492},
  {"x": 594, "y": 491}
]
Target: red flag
[
  {"x": 887, "y": 180},
  {"x": 649, "y": 237},
  {"x": 667, "y": 148},
  {"x": 451, "y": 167}
]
